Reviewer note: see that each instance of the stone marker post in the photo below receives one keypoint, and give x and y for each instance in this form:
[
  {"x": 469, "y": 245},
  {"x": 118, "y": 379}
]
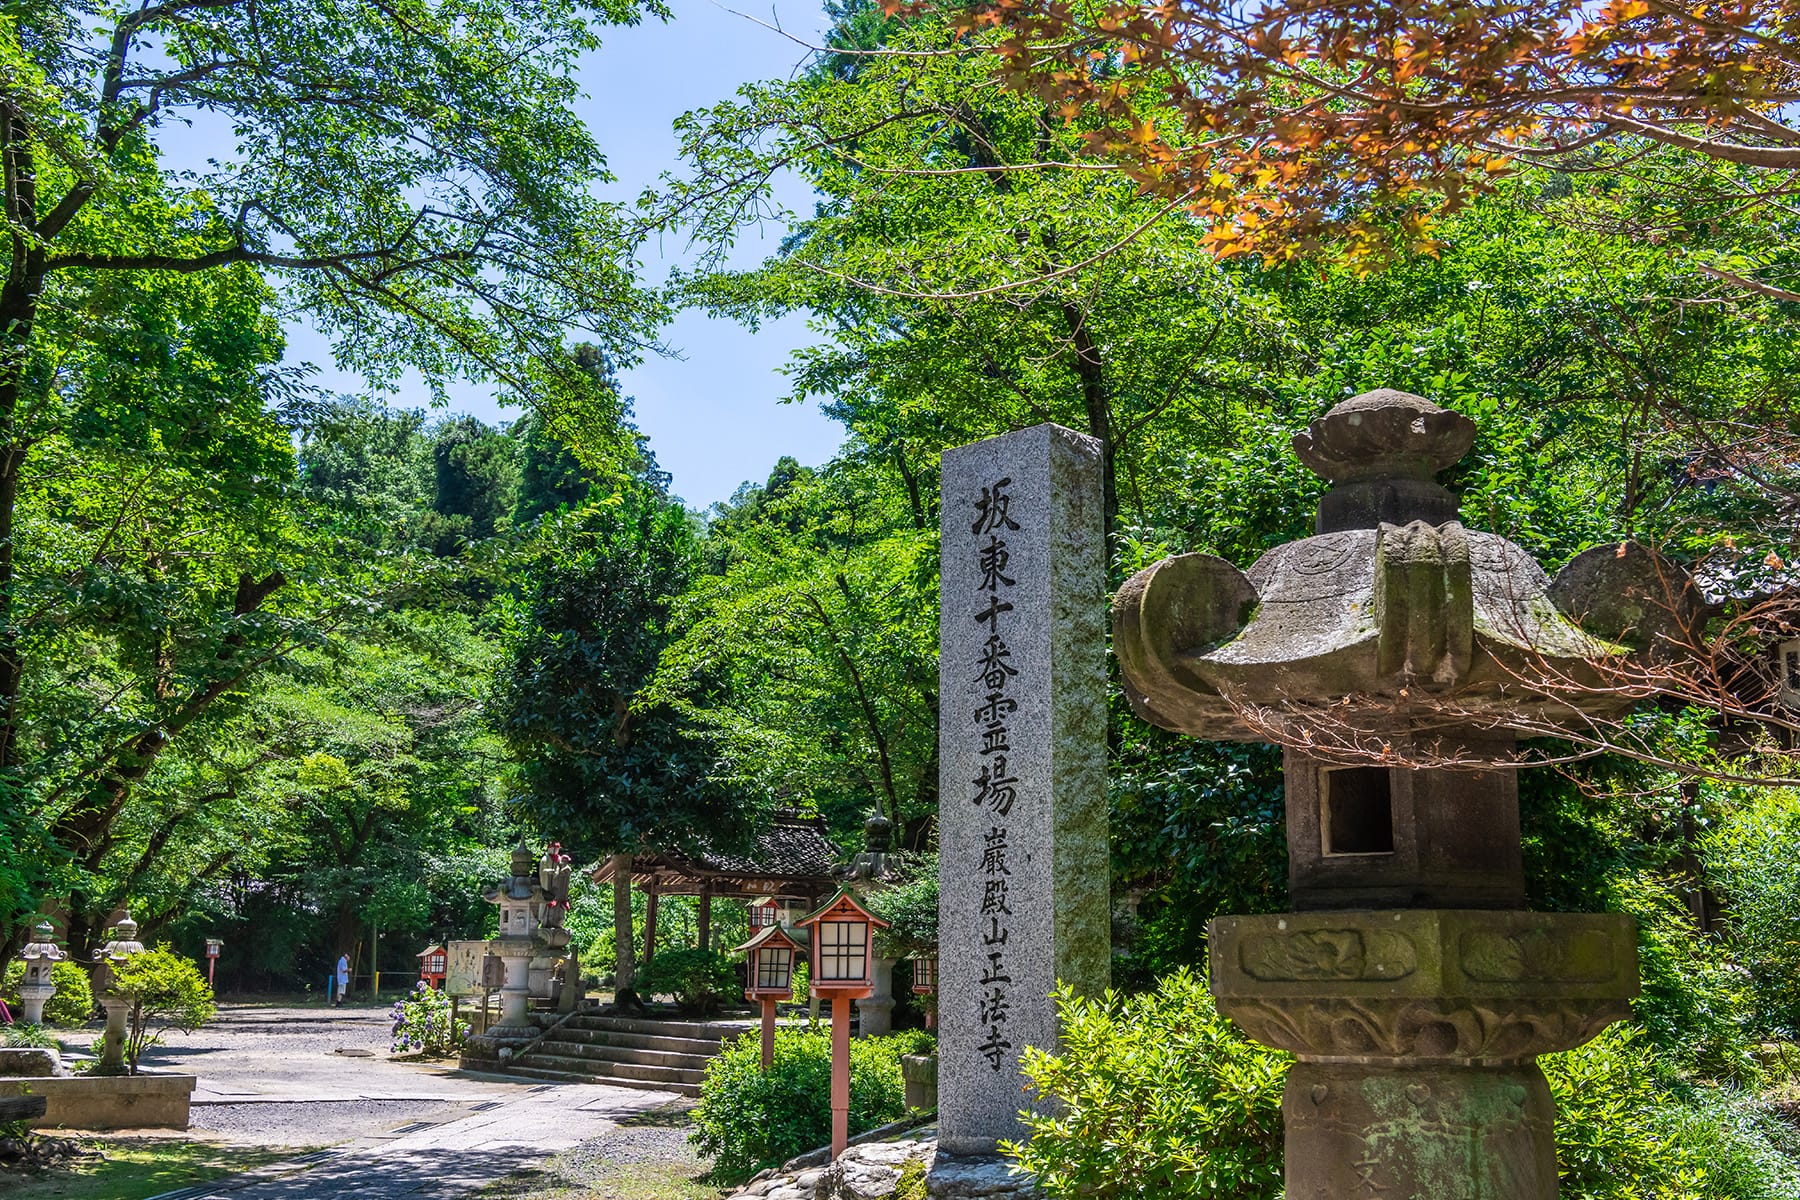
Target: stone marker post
[{"x": 1024, "y": 896}]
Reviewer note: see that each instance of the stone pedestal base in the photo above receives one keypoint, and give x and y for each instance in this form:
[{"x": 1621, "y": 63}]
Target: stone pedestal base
[
  {"x": 515, "y": 994},
  {"x": 1417, "y": 1032},
  {"x": 112, "y": 1042},
  {"x": 1450, "y": 1133},
  {"x": 31, "y": 1003}
]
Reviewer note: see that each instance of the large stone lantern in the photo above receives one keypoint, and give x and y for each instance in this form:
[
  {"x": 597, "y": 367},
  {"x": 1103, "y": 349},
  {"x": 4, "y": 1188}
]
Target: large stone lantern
[
  {"x": 1396, "y": 654},
  {"x": 520, "y": 898},
  {"x": 41, "y": 957},
  {"x": 123, "y": 946}
]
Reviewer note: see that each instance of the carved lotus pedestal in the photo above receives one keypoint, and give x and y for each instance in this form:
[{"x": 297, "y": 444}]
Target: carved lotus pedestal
[{"x": 1417, "y": 1033}]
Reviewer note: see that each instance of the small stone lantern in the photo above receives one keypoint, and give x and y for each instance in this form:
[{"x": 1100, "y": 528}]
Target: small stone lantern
[
  {"x": 769, "y": 976},
  {"x": 843, "y": 963},
  {"x": 123, "y": 946},
  {"x": 1411, "y": 985},
  {"x": 41, "y": 957}
]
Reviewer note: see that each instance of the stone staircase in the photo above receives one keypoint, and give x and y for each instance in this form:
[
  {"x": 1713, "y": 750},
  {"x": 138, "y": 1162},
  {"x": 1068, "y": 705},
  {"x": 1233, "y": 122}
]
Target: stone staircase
[{"x": 634, "y": 1052}]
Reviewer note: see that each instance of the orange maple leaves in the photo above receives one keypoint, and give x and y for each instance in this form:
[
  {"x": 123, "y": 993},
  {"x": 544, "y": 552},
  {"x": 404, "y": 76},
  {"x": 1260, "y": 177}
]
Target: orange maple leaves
[{"x": 1301, "y": 122}]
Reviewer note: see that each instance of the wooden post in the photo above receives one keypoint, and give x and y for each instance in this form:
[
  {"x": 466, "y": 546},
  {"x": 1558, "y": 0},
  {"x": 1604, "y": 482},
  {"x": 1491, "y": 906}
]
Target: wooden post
[
  {"x": 705, "y": 919},
  {"x": 650, "y": 919},
  {"x": 768, "y": 1031},
  {"x": 840, "y": 1075}
]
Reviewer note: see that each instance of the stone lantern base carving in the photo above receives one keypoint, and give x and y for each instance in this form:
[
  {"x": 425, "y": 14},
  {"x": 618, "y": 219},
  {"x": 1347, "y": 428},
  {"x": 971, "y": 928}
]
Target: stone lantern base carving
[{"x": 1417, "y": 1032}]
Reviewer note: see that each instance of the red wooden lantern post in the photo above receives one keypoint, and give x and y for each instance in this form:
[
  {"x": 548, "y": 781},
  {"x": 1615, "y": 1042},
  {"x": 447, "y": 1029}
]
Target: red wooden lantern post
[
  {"x": 432, "y": 965},
  {"x": 765, "y": 912},
  {"x": 769, "y": 977},
  {"x": 213, "y": 946},
  {"x": 843, "y": 963}
]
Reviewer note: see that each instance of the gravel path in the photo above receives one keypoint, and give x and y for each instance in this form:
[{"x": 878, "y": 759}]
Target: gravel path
[{"x": 314, "y": 1124}]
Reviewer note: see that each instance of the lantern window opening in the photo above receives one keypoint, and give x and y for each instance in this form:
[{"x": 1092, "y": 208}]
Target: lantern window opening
[
  {"x": 843, "y": 950},
  {"x": 925, "y": 972},
  {"x": 1356, "y": 811},
  {"x": 774, "y": 968}
]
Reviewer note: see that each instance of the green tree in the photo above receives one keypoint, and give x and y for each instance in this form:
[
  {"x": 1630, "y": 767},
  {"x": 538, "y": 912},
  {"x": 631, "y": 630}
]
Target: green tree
[
  {"x": 416, "y": 178},
  {"x": 165, "y": 991},
  {"x": 604, "y": 769}
]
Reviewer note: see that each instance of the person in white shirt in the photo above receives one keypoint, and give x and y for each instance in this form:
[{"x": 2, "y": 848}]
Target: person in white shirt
[{"x": 343, "y": 978}]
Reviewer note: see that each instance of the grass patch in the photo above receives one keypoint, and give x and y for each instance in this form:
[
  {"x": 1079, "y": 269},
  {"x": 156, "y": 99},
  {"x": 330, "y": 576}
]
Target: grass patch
[{"x": 135, "y": 1168}]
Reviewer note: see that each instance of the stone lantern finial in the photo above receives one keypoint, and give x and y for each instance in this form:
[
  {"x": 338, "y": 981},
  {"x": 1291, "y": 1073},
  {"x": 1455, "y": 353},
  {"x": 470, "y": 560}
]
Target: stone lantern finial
[{"x": 1382, "y": 451}]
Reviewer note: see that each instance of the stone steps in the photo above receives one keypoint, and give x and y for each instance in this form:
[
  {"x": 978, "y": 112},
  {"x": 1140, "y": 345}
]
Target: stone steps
[
  {"x": 704, "y": 1047},
  {"x": 630, "y": 1052},
  {"x": 605, "y": 1052}
]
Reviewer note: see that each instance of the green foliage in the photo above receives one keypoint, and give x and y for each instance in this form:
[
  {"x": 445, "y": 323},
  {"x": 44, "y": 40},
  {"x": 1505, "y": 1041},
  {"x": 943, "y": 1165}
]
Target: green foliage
[
  {"x": 748, "y": 1119},
  {"x": 603, "y": 767},
  {"x": 1159, "y": 1097},
  {"x": 1154, "y": 1096},
  {"x": 28, "y": 1037},
  {"x": 1760, "y": 894},
  {"x": 73, "y": 1003},
  {"x": 1625, "y": 1130},
  {"x": 801, "y": 983},
  {"x": 911, "y": 909},
  {"x": 166, "y": 991},
  {"x": 423, "y": 1022},
  {"x": 698, "y": 979}
]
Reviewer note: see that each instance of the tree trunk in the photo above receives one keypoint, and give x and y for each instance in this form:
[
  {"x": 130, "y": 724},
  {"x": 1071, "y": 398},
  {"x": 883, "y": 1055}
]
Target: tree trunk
[
  {"x": 1098, "y": 403},
  {"x": 704, "y": 920},
  {"x": 625, "y": 956}
]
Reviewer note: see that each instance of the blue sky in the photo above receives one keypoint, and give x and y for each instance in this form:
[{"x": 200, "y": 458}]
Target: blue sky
[{"x": 713, "y": 415}]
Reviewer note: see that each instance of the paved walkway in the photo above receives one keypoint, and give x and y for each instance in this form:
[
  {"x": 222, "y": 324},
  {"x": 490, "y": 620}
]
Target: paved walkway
[
  {"x": 308, "y": 1077},
  {"x": 447, "y": 1159}
]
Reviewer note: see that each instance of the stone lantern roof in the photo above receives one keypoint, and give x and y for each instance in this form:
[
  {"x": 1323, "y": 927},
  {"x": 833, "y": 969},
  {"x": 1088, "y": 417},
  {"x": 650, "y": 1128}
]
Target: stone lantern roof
[
  {"x": 44, "y": 946},
  {"x": 1393, "y": 615}
]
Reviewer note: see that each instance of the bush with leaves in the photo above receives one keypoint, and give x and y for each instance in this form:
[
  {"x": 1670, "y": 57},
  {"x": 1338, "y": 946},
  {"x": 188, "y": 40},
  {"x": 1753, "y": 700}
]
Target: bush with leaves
[
  {"x": 423, "y": 1023},
  {"x": 748, "y": 1118},
  {"x": 1155, "y": 1095},
  {"x": 1158, "y": 1097},
  {"x": 73, "y": 1003},
  {"x": 1760, "y": 893},
  {"x": 698, "y": 979},
  {"x": 166, "y": 991},
  {"x": 1626, "y": 1130},
  {"x": 22, "y": 1036}
]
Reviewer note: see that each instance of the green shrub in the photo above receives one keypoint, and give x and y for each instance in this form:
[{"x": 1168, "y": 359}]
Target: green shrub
[
  {"x": 422, "y": 1022},
  {"x": 748, "y": 1119},
  {"x": 166, "y": 992},
  {"x": 801, "y": 983},
  {"x": 1156, "y": 1095},
  {"x": 25, "y": 1036},
  {"x": 698, "y": 979},
  {"x": 1760, "y": 893},
  {"x": 1625, "y": 1130},
  {"x": 73, "y": 1003},
  {"x": 1160, "y": 1098}
]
